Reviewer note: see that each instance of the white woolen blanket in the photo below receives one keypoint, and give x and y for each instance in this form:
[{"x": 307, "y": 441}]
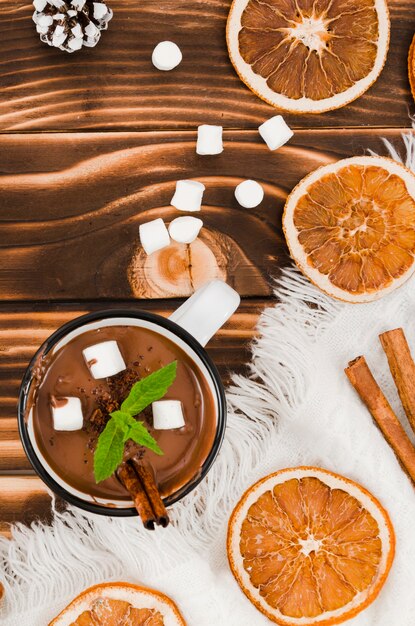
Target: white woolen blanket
[{"x": 296, "y": 408}]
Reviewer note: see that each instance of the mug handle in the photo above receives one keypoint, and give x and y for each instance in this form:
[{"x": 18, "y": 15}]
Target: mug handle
[{"x": 207, "y": 310}]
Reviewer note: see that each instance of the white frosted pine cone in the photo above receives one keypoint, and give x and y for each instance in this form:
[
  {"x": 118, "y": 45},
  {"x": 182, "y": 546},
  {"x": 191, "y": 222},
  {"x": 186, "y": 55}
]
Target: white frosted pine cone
[{"x": 70, "y": 24}]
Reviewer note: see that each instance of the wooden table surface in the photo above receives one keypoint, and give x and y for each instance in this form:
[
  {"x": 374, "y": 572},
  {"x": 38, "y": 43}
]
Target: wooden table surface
[{"x": 91, "y": 145}]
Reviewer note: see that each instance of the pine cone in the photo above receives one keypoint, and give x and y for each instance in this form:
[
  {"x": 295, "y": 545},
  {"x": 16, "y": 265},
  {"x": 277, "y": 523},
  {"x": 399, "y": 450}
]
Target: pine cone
[{"x": 70, "y": 24}]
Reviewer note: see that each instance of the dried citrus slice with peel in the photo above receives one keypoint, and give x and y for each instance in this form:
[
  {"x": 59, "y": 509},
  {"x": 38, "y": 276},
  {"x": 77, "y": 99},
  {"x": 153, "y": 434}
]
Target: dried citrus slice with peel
[
  {"x": 308, "y": 56},
  {"x": 310, "y": 547},
  {"x": 120, "y": 604},
  {"x": 350, "y": 227}
]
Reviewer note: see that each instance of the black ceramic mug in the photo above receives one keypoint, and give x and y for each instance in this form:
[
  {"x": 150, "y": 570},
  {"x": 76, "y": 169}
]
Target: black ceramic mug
[{"x": 190, "y": 327}]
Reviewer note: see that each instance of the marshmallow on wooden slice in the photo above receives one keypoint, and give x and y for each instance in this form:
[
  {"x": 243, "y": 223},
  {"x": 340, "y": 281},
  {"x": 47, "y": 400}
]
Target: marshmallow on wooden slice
[
  {"x": 104, "y": 359},
  {"x": 188, "y": 195},
  {"x": 166, "y": 56},
  {"x": 167, "y": 414},
  {"x": 275, "y": 132},
  {"x": 209, "y": 139},
  {"x": 185, "y": 229},
  {"x": 154, "y": 235},
  {"x": 249, "y": 194},
  {"x": 67, "y": 413}
]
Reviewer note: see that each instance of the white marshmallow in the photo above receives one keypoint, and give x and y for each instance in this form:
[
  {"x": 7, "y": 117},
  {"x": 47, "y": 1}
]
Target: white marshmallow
[
  {"x": 166, "y": 56},
  {"x": 249, "y": 194},
  {"x": 154, "y": 236},
  {"x": 209, "y": 139},
  {"x": 67, "y": 414},
  {"x": 78, "y": 4},
  {"x": 275, "y": 132},
  {"x": 167, "y": 414},
  {"x": 185, "y": 229},
  {"x": 100, "y": 10},
  {"x": 39, "y": 4},
  {"x": 104, "y": 359},
  {"x": 58, "y": 4},
  {"x": 71, "y": 13},
  {"x": 188, "y": 195}
]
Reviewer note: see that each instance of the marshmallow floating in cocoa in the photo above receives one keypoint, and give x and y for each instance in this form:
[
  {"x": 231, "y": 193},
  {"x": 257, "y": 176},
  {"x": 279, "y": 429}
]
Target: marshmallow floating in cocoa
[
  {"x": 166, "y": 56},
  {"x": 104, "y": 359},
  {"x": 275, "y": 132},
  {"x": 209, "y": 139},
  {"x": 185, "y": 229},
  {"x": 249, "y": 194},
  {"x": 188, "y": 195},
  {"x": 67, "y": 413},
  {"x": 167, "y": 414},
  {"x": 154, "y": 235}
]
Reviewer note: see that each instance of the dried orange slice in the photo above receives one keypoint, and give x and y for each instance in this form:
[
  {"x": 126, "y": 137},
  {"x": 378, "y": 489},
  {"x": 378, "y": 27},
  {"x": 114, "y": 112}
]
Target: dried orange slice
[
  {"x": 308, "y": 56},
  {"x": 310, "y": 547},
  {"x": 120, "y": 604},
  {"x": 411, "y": 67},
  {"x": 350, "y": 227}
]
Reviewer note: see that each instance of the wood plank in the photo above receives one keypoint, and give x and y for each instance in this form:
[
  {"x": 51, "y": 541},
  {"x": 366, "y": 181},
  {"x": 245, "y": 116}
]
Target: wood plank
[
  {"x": 115, "y": 86},
  {"x": 72, "y": 204},
  {"x": 23, "y": 499},
  {"x": 23, "y": 328}
]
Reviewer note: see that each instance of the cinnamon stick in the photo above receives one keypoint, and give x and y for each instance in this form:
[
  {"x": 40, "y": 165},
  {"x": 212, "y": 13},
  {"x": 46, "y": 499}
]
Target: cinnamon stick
[
  {"x": 362, "y": 379},
  {"x": 402, "y": 367},
  {"x": 132, "y": 483},
  {"x": 148, "y": 482}
]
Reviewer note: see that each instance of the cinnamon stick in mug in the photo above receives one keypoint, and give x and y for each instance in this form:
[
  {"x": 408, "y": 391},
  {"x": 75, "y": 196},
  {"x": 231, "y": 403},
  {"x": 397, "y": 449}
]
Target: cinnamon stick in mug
[
  {"x": 362, "y": 379},
  {"x": 402, "y": 368},
  {"x": 148, "y": 482},
  {"x": 132, "y": 483}
]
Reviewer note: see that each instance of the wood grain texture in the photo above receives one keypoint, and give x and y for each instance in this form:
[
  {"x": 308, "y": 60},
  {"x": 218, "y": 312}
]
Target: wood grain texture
[
  {"x": 71, "y": 202},
  {"x": 72, "y": 205},
  {"x": 24, "y": 499},
  {"x": 115, "y": 86},
  {"x": 23, "y": 329}
]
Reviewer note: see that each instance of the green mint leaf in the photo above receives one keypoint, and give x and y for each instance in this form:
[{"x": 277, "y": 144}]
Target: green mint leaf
[
  {"x": 149, "y": 389},
  {"x": 139, "y": 433},
  {"x": 122, "y": 425},
  {"x": 122, "y": 418},
  {"x": 109, "y": 451}
]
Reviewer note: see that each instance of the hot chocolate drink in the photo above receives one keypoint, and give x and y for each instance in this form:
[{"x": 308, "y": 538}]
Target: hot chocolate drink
[{"x": 67, "y": 375}]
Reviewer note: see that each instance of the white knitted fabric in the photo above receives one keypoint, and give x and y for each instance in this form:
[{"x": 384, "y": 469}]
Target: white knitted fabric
[{"x": 296, "y": 408}]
